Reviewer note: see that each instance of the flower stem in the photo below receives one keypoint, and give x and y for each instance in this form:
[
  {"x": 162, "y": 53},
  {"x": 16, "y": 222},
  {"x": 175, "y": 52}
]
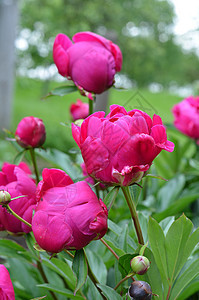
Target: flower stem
[
  {"x": 131, "y": 205},
  {"x": 90, "y": 106},
  {"x": 17, "y": 216},
  {"x": 124, "y": 279},
  {"x": 32, "y": 154},
  {"x": 109, "y": 248}
]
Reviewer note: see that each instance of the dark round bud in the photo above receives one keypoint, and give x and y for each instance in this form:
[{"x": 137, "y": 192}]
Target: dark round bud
[
  {"x": 5, "y": 198},
  {"x": 140, "y": 290},
  {"x": 140, "y": 264}
]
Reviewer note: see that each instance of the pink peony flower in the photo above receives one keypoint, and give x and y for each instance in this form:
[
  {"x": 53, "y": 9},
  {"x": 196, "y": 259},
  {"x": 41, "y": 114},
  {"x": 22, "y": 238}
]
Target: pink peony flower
[
  {"x": 79, "y": 110},
  {"x": 118, "y": 149},
  {"x": 16, "y": 180},
  {"x": 30, "y": 132},
  {"x": 68, "y": 215},
  {"x": 91, "y": 62},
  {"x": 6, "y": 287},
  {"x": 186, "y": 117}
]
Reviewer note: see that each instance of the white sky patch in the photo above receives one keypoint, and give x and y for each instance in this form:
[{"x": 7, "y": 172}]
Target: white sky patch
[{"x": 187, "y": 15}]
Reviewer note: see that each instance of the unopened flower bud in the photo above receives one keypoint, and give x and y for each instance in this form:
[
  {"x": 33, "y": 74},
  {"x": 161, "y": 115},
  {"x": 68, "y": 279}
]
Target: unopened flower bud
[
  {"x": 140, "y": 290},
  {"x": 140, "y": 264},
  {"x": 5, "y": 198},
  {"x": 30, "y": 132}
]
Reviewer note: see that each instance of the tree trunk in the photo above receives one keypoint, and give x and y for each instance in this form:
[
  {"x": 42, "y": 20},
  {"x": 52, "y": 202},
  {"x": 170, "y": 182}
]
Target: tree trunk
[{"x": 8, "y": 21}]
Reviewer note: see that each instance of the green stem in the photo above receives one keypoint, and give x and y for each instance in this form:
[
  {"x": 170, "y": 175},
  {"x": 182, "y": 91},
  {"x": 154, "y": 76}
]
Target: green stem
[
  {"x": 90, "y": 106},
  {"x": 131, "y": 205},
  {"x": 32, "y": 154},
  {"x": 124, "y": 279},
  {"x": 45, "y": 279},
  {"x": 109, "y": 248},
  {"x": 17, "y": 216}
]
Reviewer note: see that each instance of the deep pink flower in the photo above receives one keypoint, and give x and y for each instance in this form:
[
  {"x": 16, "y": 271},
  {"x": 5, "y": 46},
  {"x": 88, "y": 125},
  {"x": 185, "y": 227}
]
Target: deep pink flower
[
  {"x": 6, "y": 287},
  {"x": 30, "y": 132},
  {"x": 68, "y": 215},
  {"x": 17, "y": 181},
  {"x": 186, "y": 117},
  {"x": 118, "y": 149},
  {"x": 79, "y": 110},
  {"x": 91, "y": 62}
]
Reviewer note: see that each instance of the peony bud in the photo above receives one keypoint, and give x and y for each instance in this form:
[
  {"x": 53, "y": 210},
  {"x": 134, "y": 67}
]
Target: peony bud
[
  {"x": 5, "y": 198},
  {"x": 30, "y": 132},
  {"x": 140, "y": 264},
  {"x": 140, "y": 290}
]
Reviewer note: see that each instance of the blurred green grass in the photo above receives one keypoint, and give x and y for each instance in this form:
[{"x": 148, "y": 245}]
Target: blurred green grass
[{"x": 55, "y": 110}]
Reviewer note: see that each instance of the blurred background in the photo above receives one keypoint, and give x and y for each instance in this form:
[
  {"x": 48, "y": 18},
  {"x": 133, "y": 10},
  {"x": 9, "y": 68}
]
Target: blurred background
[{"x": 158, "y": 39}]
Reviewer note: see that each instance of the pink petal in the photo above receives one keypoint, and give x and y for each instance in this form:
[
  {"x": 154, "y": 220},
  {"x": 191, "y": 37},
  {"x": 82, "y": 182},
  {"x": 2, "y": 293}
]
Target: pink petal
[
  {"x": 94, "y": 70},
  {"x": 115, "y": 50},
  {"x": 52, "y": 178},
  {"x": 116, "y": 110},
  {"x": 76, "y": 133},
  {"x": 52, "y": 234},
  {"x": 88, "y": 36},
  {"x": 157, "y": 120},
  {"x": 158, "y": 132},
  {"x": 25, "y": 184},
  {"x": 60, "y": 56},
  {"x": 96, "y": 156}
]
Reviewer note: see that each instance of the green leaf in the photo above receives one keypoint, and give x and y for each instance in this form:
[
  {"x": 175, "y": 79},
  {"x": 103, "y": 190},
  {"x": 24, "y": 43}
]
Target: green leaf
[
  {"x": 176, "y": 207},
  {"x": 97, "y": 266},
  {"x": 176, "y": 240},
  {"x": 142, "y": 249},
  {"x": 170, "y": 191},
  {"x": 189, "y": 274},
  {"x": 61, "y": 91},
  {"x": 62, "y": 268},
  {"x": 110, "y": 197},
  {"x": 123, "y": 238},
  {"x": 109, "y": 293},
  {"x": 39, "y": 298},
  {"x": 80, "y": 268},
  {"x": 112, "y": 244},
  {"x": 124, "y": 263},
  {"x": 18, "y": 158},
  {"x": 135, "y": 191},
  {"x": 64, "y": 291},
  {"x": 190, "y": 245},
  {"x": 30, "y": 242},
  {"x": 60, "y": 160},
  {"x": 157, "y": 242},
  {"x": 114, "y": 228},
  {"x": 190, "y": 289},
  {"x": 9, "y": 248}
]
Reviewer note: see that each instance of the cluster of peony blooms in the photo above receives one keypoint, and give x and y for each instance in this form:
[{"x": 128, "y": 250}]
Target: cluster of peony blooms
[{"x": 117, "y": 149}]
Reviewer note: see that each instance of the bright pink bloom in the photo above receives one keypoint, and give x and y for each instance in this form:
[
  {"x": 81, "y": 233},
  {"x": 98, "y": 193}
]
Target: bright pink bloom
[
  {"x": 6, "y": 287},
  {"x": 118, "y": 149},
  {"x": 30, "y": 132},
  {"x": 16, "y": 180},
  {"x": 79, "y": 110},
  {"x": 91, "y": 62},
  {"x": 186, "y": 117},
  {"x": 68, "y": 215}
]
